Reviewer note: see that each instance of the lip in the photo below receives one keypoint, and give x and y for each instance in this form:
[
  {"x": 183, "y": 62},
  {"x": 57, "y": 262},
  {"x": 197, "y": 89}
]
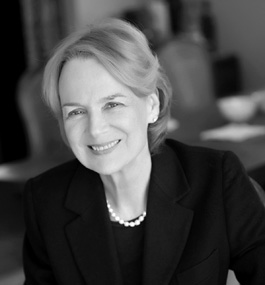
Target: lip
[{"x": 104, "y": 148}]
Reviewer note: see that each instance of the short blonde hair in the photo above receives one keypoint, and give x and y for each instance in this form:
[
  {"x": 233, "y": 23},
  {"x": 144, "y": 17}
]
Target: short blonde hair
[{"x": 124, "y": 51}]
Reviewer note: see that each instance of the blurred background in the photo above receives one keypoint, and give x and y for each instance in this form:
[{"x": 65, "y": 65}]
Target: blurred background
[{"x": 213, "y": 52}]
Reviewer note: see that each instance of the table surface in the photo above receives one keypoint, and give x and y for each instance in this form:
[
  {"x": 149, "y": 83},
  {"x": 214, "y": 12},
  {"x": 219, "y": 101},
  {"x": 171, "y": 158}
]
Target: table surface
[{"x": 251, "y": 151}]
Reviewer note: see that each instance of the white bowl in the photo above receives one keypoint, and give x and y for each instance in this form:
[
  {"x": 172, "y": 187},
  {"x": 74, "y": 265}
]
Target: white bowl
[
  {"x": 237, "y": 108},
  {"x": 259, "y": 98}
]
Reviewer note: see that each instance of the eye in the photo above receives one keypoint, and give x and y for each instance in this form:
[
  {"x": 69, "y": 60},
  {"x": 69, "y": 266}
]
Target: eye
[
  {"x": 73, "y": 113},
  {"x": 111, "y": 105}
]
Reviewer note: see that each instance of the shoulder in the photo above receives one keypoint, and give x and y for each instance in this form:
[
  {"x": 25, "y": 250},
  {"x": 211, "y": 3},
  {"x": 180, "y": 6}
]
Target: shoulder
[
  {"x": 189, "y": 152},
  {"x": 62, "y": 172},
  {"x": 51, "y": 183},
  {"x": 202, "y": 159}
]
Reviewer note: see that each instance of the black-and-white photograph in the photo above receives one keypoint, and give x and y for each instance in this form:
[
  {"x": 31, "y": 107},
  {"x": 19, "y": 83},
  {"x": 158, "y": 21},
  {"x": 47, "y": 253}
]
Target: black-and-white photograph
[{"x": 132, "y": 142}]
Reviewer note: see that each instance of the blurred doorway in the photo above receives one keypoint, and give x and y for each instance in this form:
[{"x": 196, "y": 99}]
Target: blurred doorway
[{"x": 12, "y": 134}]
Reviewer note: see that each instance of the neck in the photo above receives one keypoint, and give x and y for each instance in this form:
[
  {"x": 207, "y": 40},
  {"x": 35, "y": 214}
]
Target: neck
[{"x": 126, "y": 191}]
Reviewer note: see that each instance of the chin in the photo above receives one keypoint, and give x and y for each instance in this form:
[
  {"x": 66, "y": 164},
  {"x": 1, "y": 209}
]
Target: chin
[{"x": 103, "y": 169}]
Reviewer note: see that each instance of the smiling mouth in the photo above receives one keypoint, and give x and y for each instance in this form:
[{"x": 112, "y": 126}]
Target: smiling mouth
[{"x": 105, "y": 147}]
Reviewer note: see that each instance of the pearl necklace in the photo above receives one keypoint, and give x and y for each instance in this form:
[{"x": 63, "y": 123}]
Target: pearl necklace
[{"x": 137, "y": 222}]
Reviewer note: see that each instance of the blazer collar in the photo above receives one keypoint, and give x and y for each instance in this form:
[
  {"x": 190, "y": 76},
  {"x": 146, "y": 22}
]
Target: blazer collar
[
  {"x": 167, "y": 224},
  {"x": 168, "y": 174},
  {"x": 90, "y": 234}
]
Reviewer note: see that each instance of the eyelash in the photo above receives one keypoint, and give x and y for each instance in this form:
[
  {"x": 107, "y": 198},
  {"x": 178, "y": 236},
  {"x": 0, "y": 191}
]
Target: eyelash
[
  {"x": 77, "y": 112},
  {"x": 112, "y": 105}
]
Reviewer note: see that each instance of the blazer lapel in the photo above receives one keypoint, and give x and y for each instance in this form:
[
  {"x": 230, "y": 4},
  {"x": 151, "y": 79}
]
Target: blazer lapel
[
  {"x": 90, "y": 234},
  {"x": 167, "y": 222}
]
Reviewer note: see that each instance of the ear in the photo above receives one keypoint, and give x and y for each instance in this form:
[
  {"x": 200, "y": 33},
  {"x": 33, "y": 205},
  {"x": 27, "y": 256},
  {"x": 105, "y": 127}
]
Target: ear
[{"x": 153, "y": 105}]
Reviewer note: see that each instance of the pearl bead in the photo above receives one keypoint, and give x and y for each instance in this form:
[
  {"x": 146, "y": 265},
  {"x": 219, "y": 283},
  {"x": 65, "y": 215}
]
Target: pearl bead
[{"x": 137, "y": 222}]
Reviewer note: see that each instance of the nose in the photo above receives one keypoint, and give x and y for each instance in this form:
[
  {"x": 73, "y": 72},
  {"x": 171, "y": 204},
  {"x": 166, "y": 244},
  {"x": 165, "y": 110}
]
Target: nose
[{"x": 97, "y": 124}]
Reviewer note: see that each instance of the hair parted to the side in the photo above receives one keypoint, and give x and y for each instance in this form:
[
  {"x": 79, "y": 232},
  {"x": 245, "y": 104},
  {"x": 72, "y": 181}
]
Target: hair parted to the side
[{"x": 124, "y": 51}]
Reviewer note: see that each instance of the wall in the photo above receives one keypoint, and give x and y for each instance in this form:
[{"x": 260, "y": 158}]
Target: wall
[
  {"x": 241, "y": 29},
  {"x": 86, "y": 11}
]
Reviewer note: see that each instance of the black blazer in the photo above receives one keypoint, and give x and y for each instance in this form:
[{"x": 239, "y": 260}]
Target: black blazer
[{"x": 203, "y": 217}]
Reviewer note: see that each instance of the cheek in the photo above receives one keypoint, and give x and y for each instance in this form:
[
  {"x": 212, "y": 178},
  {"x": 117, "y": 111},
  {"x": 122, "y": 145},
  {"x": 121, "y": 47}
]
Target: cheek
[
  {"x": 138, "y": 126},
  {"x": 142, "y": 119},
  {"x": 73, "y": 132}
]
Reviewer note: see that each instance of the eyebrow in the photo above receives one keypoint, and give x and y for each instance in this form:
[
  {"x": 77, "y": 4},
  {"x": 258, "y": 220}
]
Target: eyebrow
[
  {"x": 71, "y": 105},
  {"x": 112, "y": 97},
  {"x": 104, "y": 99}
]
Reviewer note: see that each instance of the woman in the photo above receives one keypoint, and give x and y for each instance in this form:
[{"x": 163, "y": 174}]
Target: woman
[{"x": 133, "y": 208}]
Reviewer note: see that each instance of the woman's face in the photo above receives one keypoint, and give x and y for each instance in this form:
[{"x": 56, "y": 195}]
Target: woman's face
[{"x": 104, "y": 121}]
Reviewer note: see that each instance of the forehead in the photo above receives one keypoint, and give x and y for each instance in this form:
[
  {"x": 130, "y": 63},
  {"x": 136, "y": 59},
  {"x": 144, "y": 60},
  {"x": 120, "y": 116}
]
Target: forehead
[
  {"x": 88, "y": 77},
  {"x": 78, "y": 69}
]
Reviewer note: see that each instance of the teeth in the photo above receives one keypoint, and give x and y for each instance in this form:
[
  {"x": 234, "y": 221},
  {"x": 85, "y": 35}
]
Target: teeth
[{"x": 105, "y": 147}]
